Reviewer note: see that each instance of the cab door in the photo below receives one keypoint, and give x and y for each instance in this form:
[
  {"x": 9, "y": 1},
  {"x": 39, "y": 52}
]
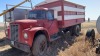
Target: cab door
[{"x": 51, "y": 23}]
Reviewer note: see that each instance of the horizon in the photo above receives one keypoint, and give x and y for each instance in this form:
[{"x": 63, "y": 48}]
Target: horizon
[{"x": 85, "y": 20}]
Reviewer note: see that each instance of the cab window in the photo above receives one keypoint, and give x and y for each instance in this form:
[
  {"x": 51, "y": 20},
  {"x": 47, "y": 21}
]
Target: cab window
[
  {"x": 49, "y": 15},
  {"x": 37, "y": 14}
]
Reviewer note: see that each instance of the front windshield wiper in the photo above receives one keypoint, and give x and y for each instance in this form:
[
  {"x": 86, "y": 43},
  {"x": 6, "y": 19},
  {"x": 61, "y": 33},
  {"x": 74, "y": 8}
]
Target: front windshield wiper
[{"x": 32, "y": 18}]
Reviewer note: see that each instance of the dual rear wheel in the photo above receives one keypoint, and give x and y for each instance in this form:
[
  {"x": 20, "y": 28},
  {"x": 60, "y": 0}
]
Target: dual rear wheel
[{"x": 75, "y": 30}]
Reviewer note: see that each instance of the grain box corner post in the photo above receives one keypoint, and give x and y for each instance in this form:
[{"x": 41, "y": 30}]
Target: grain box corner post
[{"x": 67, "y": 13}]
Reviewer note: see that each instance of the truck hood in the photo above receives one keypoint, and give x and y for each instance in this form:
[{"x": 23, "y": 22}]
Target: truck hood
[{"x": 26, "y": 23}]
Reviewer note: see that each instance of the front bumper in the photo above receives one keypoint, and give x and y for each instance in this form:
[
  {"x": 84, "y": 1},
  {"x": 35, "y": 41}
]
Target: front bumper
[{"x": 18, "y": 45}]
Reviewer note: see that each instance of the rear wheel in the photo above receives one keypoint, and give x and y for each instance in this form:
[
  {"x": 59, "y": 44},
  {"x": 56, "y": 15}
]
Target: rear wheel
[
  {"x": 40, "y": 45},
  {"x": 76, "y": 30}
]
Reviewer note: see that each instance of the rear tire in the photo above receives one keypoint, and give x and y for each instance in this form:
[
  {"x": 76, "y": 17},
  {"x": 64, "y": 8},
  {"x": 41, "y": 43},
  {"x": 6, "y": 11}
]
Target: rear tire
[
  {"x": 76, "y": 30},
  {"x": 40, "y": 45}
]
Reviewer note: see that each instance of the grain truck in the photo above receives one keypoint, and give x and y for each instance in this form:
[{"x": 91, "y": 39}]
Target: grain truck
[{"x": 46, "y": 22}]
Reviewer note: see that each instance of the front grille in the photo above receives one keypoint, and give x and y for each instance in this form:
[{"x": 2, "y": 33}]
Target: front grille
[{"x": 14, "y": 32}]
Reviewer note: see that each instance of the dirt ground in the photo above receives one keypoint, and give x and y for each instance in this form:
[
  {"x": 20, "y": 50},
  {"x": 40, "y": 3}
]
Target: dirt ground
[{"x": 68, "y": 46}]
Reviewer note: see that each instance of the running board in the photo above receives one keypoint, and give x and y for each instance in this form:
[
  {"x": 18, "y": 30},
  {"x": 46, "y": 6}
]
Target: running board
[{"x": 53, "y": 39}]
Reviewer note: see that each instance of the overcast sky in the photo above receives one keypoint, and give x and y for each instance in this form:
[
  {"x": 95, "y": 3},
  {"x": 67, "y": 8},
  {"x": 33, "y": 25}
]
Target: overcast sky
[{"x": 92, "y": 6}]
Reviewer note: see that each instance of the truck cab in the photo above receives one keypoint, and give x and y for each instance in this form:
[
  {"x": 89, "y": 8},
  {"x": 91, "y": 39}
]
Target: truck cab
[{"x": 41, "y": 13}]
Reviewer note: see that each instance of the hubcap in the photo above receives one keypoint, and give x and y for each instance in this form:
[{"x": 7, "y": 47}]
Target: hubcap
[{"x": 42, "y": 46}]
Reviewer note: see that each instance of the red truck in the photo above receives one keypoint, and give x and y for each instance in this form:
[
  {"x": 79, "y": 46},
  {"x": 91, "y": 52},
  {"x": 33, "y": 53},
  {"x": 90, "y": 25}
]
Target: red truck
[{"x": 45, "y": 23}]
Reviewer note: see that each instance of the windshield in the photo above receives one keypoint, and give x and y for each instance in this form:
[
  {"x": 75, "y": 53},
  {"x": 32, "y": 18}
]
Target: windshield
[{"x": 36, "y": 14}]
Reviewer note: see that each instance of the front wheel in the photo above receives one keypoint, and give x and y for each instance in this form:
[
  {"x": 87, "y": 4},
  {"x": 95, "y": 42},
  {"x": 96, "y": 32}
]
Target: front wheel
[{"x": 40, "y": 45}]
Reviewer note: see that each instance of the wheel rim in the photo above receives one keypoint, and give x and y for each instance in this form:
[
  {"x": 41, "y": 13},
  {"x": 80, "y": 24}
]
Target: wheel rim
[
  {"x": 39, "y": 46},
  {"x": 43, "y": 46}
]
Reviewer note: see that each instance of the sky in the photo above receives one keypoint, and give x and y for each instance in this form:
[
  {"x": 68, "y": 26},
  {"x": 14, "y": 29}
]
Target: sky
[{"x": 92, "y": 6}]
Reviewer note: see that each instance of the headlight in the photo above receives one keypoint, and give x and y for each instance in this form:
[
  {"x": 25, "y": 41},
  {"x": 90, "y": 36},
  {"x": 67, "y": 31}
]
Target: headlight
[{"x": 25, "y": 35}]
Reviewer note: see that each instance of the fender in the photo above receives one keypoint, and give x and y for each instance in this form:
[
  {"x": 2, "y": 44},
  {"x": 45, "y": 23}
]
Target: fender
[{"x": 31, "y": 34}]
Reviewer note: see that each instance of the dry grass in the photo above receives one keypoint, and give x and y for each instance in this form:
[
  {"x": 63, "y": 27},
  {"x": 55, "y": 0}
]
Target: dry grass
[
  {"x": 5, "y": 47},
  {"x": 2, "y": 34},
  {"x": 79, "y": 47},
  {"x": 89, "y": 24}
]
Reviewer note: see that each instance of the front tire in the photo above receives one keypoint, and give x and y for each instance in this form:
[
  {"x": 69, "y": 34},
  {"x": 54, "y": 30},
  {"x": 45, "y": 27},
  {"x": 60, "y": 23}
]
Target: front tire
[{"x": 40, "y": 45}]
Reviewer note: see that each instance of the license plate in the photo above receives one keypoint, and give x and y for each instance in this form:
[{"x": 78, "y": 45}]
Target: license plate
[{"x": 12, "y": 42}]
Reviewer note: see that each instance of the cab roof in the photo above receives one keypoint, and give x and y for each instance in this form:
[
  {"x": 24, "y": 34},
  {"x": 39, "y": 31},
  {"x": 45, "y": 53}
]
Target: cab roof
[{"x": 40, "y": 8}]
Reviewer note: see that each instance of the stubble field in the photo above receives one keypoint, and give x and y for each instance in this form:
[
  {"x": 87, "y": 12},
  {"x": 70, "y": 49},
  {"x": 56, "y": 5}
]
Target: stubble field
[{"x": 68, "y": 46}]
